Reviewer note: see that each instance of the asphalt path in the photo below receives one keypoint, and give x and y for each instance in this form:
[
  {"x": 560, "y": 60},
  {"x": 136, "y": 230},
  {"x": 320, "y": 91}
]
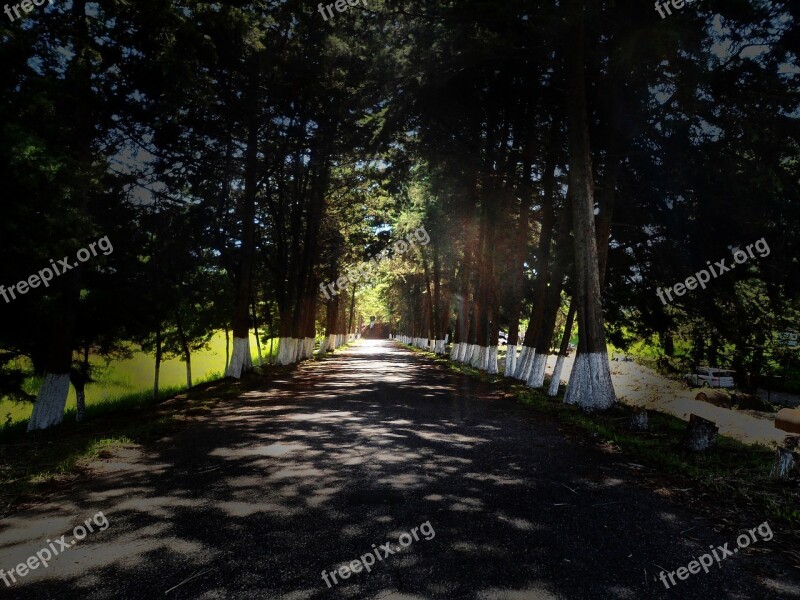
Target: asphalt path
[{"x": 312, "y": 471}]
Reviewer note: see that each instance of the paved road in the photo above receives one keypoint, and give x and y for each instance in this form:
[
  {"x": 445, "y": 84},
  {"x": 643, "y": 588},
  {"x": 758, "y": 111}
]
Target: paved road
[{"x": 314, "y": 470}]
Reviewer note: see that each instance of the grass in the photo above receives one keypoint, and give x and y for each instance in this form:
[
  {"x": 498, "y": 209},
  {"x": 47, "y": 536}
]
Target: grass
[
  {"x": 730, "y": 480},
  {"x": 125, "y": 379}
]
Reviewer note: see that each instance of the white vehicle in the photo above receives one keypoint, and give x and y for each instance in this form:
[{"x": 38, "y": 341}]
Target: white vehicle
[{"x": 708, "y": 377}]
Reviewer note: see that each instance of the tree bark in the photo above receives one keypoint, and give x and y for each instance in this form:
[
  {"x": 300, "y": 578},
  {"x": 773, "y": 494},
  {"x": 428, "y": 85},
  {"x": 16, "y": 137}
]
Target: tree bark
[
  {"x": 48, "y": 408},
  {"x": 701, "y": 434},
  {"x": 256, "y": 332},
  {"x": 241, "y": 361},
  {"x": 590, "y": 385},
  {"x": 186, "y": 351},
  {"x": 555, "y": 380},
  {"x": 157, "y": 370}
]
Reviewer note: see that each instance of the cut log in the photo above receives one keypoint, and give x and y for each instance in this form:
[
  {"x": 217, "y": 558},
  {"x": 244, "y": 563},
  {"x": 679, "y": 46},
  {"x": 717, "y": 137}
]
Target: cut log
[
  {"x": 701, "y": 434},
  {"x": 716, "y": 397},
  {"x": 788, "y": 419},
  {"x": 787, "y": 459},
  {"x": 638, "y": 420}
]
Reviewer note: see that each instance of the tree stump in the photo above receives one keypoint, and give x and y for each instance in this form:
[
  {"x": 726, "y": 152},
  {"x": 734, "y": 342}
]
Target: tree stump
[
  {"x": 701, "y": 434},
  {"x": 787, "y": 458},
  {"x": 638, "y": 420}
]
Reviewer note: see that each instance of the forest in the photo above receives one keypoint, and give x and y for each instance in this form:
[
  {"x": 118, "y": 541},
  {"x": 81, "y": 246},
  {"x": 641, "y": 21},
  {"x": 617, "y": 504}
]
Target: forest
[
  {"x": 568, "y": 160},
  {"x": 437, "y": 243}
]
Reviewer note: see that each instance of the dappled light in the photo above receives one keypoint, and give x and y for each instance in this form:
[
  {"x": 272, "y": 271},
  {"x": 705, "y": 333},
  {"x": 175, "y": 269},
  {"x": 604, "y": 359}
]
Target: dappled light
[{"x": 302, "y": 485}]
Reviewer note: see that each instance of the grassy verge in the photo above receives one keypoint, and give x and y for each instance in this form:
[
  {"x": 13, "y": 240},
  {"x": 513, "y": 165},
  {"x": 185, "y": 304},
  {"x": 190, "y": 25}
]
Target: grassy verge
[{"x": 730, "y": 481}]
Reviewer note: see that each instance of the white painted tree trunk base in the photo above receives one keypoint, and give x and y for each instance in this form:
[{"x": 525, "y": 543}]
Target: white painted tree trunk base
[
  {"x": 536, "y": 377},
  {"x": 522, "y": 363},
  {"x": 475, "y": 356},
  {"x": 468, "y": 352},
  {"x": 285, "y": 351},
  {"x": 787, "y": 459},
  {"x": 298, "y": 349},
  {"x": 523, "y": 351},
  {"x": 525, "y": 371},
  {"x": 478, "y": 358},
  {"x": 491, "y": 360},
  {"x": 590, "y": 385},
  {"x": 240, "y": 359},
  {"x": 48, "y": 409},
  {"x": 511, "y": 361},
  {"x": 555, "y": 382}
]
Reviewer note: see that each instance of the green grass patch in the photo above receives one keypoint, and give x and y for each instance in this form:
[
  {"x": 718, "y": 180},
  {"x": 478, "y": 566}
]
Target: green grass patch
[{"x": 124, "y": 378}]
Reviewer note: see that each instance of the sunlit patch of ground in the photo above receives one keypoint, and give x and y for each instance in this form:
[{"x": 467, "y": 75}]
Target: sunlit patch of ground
[{"x": 639, "y": 386}]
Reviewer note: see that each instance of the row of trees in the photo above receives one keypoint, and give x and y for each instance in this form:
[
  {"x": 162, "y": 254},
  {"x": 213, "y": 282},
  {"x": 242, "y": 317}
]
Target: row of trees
[
  {"x": 578, "y": 156},
  {"x": 227, "y": 150},
  {"x": 238, "y": 155}
]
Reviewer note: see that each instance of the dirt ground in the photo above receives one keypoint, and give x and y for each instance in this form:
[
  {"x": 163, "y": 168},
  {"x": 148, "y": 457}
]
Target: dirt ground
[{"x": 641, "y": 386}]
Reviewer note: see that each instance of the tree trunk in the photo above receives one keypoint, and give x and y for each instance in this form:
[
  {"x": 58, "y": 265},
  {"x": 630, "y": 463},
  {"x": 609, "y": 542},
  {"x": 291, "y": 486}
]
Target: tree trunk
[
  {"x": 552, "y": 303},
  {"x": 590, "y": 385},
  {"x": 187, "y": 353},
  {"x": 255, "y": 331},
  {"x": 227, "y": 348},
  {"x": 787, "y": 459},
  {"x": 638, "y": 420},
  {"x": 555, "y": 380},
  {"x": 80, "y": 377},
  {"x": 241, "y": 361},
  {"x": 157, "y": 372},
  {"x": 80, "y": 403},
  {"x": 352, "y": 315},
  {"x": 48, "y": 408},
  {"x": 701, "y": 434}
]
